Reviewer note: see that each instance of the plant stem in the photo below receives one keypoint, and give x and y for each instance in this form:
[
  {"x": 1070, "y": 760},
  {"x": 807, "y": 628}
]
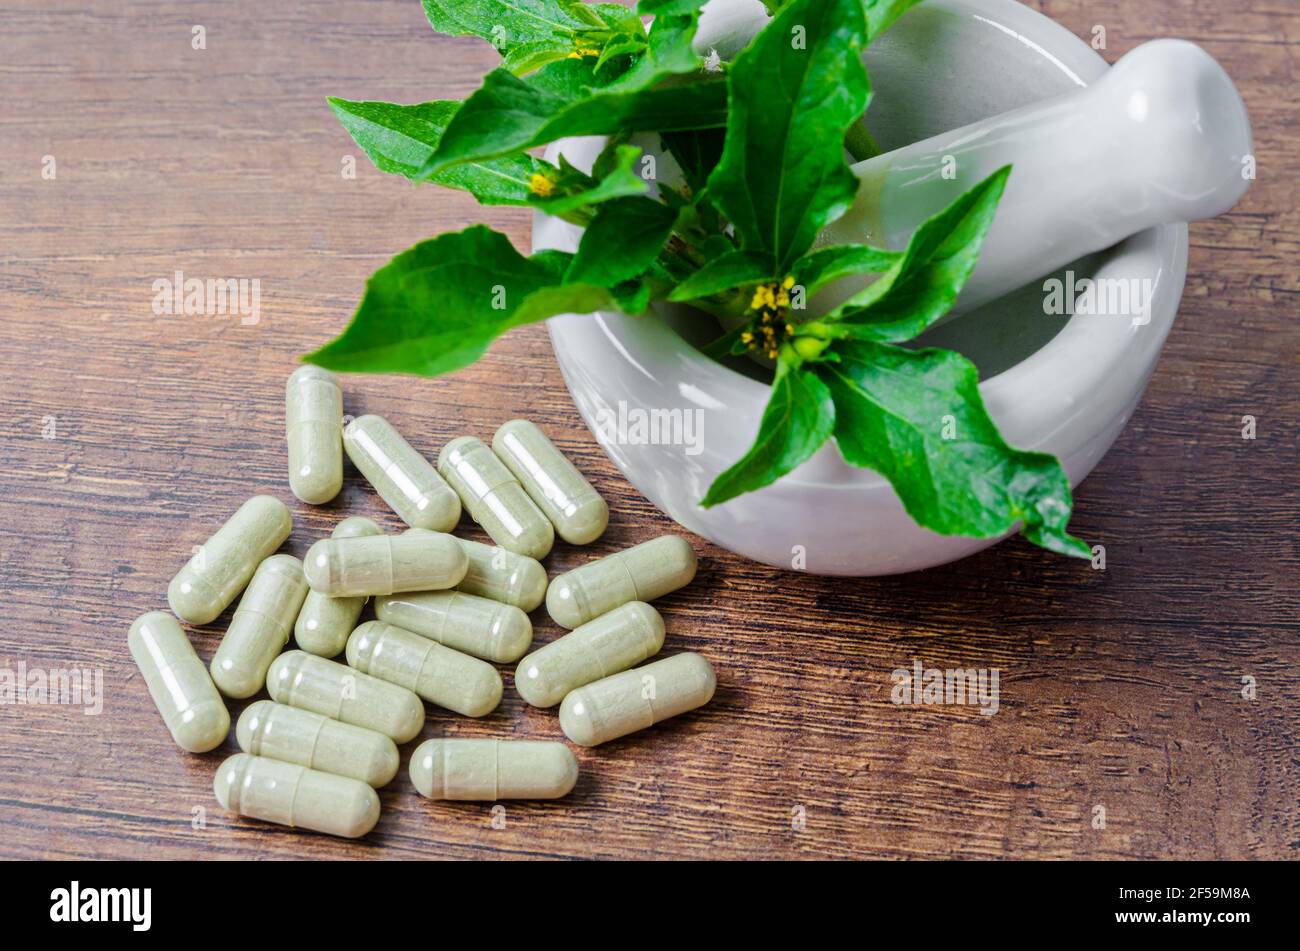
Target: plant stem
[
  {"x": 860, "y": 143},
  {"x": 684, "y": 251},
  {"x": 680, "y": 258}
]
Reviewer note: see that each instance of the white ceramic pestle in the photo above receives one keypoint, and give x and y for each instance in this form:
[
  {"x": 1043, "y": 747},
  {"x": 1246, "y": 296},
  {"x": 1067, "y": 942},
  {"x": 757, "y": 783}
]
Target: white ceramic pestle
[{"x": 1162, "y": 137}]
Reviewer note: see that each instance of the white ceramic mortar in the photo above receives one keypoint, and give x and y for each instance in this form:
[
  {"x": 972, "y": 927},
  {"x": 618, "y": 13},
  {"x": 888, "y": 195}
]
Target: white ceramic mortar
[{"x": 944, "y": 64}]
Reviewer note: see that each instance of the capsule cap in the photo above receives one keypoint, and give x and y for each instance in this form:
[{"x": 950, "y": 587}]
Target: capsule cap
[
  {"x": 528, "y": 584},
  {"x": 512, "y": 634},
  {"x": 228, "y": 784},
  {"x": 578, "y": 719},
  {"x": 361, "y": 645},
  {"x": 565, "y": 602},
  {"x": 280, "y": 677},
  {"x": 309, "y": 371},
  {"x": 316, "y": 565},
  {"x": 587, "y": 523},
  {"x": 251, "y": 724},
  {"x": 382, "y": 765},
  {"x": 356, "y": 526},
  {"x": 202, "y": 728}
]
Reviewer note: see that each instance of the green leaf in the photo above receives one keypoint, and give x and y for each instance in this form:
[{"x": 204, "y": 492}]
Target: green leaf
[
  {"x": 923, "y": 284},
  {"x": 610, "y": 156},
  {"x": 399, "y": 138},
  {"x": 572, "y": 189},
  {"x": 818, "y": 268},
  {"x": 632, "y": 297},
  {"x": 524, "y": 58},
  {"x": 669, "y": 52},
  {"x": 504, "y": 23},
  {"x": 564, "y": 299},
  {"x": 605, "y": 16},
  {"x": 916, "y": 417},
  {"x": 508, "y": 113},
  {"x": 588, "y": 13},
  {"x": 437, "y": 306},
  {"x": 669, "y": 7},
  {"x": 881, "y": 14},
  {"x": 715, "y": 246},
  {"x": 571, "y": 78},
  {"x": 729, "y": 344},
  {"x": 621, "y": 44},
  {"x": 626, "y": 35},
  {"x": 792, "y": 95},
  {"x": 621, "y": 242},
  {"x": 798, "y": 419},
  {"x": 723, "y": 273},
  {"x": 696, "y": 153}
]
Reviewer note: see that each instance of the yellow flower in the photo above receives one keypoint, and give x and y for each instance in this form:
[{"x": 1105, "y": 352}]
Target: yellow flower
[
  {"x": 539, "y": 184},
  {"x": 768, "y": 329}
]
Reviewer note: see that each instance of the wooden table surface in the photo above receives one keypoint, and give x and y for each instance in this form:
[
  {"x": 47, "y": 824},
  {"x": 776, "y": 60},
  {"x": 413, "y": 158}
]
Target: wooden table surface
[{"x": 128, "y": 437}]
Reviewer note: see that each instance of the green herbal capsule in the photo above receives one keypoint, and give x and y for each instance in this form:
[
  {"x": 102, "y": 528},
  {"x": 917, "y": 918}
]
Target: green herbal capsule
[
  {"x": 503, "y": 576},
  {"x": 576, "y": 509},
  {"x": 489, "y": 770},
  {"x": 296, "y": 796},
  {"x": 464, "y": 622},
  {"x": 290, "y": 735},
  {"x": 178, "y": 682},
  {"x": 261, "y": 626},
  {"x": 494, "y": 498},
  {"x": 637, "y": 698},
  {"x": 605, "y": 645},
  {"x": 221, "y": 567},
  {"x": 313, "y": 417},
  {"x": 322, "y": 686},
  {"x": 324, "y": 623},
  {"x": 641, "y": 573},
  {"x": 385, "y": 564},
  {"x": 402, "y": 477},
  {"x": 439, "y": 674}
]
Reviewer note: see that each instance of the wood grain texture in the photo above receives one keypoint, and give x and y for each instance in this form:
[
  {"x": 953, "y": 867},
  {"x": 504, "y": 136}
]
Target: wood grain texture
[{"x": 1119, "y": 689}]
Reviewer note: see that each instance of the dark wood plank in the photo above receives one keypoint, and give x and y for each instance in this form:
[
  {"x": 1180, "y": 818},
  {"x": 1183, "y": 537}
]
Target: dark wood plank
[{"x": 1120, "y": 689}]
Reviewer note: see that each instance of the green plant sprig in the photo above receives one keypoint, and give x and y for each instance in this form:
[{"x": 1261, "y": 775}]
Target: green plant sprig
[{"x": 760, "y": 143}]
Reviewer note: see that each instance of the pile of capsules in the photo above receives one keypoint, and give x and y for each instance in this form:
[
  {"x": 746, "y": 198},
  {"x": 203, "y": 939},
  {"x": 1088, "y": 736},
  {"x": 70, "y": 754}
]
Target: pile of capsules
[{"x": 315, "y": 752}]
